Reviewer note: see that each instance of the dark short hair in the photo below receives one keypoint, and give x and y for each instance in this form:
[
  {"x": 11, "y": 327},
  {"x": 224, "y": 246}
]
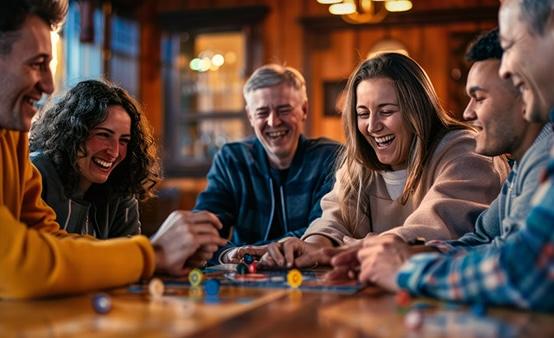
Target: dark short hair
[
  {"x": 486, "y": 46},
  {"x": 13, "y": 14},
  {"x": 60, "y": 133}
]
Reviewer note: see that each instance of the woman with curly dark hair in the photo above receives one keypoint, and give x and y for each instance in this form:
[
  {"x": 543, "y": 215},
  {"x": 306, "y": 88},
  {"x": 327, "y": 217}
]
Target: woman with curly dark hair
[{"x": 96, "y": 155}]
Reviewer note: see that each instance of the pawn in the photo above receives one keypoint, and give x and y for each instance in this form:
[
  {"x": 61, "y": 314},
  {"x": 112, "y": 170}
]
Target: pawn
[
  {"x": 242, "y": 269},
  {"x": 211, "y": 287},
  {"x": 101, "y": 303},
  {"x": 252, "y": 268},
  {"x": 248, "y": 259}
]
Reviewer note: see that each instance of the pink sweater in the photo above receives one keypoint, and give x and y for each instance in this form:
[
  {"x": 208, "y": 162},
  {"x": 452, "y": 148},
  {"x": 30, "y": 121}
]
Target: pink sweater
[{"x": 456, "y": 185}]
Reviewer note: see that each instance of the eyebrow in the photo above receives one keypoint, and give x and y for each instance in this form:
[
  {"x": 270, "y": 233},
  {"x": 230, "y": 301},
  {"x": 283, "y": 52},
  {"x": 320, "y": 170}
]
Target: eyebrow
[
  {"x": 474, "y": 89},
  {"x": 381, "y": 105},
  {"x": 109, "y": 130}
]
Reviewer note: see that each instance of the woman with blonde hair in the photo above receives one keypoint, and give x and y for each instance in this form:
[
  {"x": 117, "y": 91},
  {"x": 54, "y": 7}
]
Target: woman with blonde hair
[{"x": 409, "y": 170}]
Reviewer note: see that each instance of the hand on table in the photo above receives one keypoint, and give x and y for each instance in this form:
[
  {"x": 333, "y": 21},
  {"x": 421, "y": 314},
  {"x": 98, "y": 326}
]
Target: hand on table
[
  {"x": 381, "y": 257},
  {"x": 185, "y": 239},
  {"x": 294, "y": 252},
  {"x": 235, "y": 255}
]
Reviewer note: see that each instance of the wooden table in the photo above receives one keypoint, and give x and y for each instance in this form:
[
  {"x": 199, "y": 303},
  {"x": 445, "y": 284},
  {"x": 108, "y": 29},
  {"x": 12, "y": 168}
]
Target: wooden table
[{"x": 250, "y": 312}]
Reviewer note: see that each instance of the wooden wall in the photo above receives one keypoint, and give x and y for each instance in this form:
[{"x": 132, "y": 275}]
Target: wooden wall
[{"x": 302, "y": 34}]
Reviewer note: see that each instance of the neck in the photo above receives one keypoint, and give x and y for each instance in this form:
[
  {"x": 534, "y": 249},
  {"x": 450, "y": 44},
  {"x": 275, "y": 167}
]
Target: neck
[
  {"x": 280, "y": 163},
  {"x": 533, "y": 130},
  {"x": 84, "y": 185}
]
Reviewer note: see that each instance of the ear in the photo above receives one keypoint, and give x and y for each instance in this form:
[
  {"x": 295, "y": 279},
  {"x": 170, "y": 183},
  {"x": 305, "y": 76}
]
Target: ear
[
  {"x": 250, "y": 118},
  {"x": 305, "y": 110}
]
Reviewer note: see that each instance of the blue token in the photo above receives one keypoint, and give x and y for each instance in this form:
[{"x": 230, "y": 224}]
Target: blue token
[
  {"x": 211, "y": 287},
  {"x": 478, "y": 309},
  {"x": 248, "y": 259},
  {"x": 102, "y": 303}
]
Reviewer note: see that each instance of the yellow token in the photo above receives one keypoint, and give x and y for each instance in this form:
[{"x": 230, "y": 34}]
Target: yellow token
[
  {"x": 195, "y": 277},
  {"x": 294, "y": 278},
  {"x": 156, "y": 288}
]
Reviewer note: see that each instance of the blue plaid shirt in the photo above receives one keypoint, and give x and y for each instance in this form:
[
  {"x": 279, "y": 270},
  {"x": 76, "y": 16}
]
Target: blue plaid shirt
[{"x": 520, "y": 272}]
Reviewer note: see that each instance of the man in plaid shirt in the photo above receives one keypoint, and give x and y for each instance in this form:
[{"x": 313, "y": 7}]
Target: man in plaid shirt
[{"x": 520, "y": 271}]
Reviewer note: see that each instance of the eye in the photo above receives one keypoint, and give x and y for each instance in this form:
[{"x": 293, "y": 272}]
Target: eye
[
  {"x": 261, "y": 114},
  {"x": 362, "y": 114},
  {"x": 125, "y": 141}
]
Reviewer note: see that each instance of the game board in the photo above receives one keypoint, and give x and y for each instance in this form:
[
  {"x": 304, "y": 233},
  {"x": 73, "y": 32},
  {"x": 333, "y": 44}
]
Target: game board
[{"x": 272, "y": 279}]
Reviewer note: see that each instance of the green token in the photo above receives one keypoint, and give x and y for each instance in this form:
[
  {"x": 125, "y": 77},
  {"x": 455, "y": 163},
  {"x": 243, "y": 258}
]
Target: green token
[{"x": 195, "y": 277}]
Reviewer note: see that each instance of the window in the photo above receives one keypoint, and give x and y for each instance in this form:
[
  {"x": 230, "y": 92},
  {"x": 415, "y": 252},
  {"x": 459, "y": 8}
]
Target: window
[{"x": 205, "y": 65}]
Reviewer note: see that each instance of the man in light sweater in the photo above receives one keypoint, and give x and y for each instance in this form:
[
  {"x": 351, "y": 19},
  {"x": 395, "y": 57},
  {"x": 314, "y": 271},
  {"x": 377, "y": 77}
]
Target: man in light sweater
[{"x": 36, "y": 258}]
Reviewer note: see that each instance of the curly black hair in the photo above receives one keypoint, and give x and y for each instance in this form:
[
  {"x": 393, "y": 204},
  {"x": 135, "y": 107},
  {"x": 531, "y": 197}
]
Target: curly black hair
[
  {"x": 486, "y": 46},
  {"x": 60, "y": 133}
]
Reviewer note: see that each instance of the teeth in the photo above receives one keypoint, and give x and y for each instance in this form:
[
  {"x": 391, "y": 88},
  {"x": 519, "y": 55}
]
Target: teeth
[
  {"x": 384, "y": 139},
  {"x": 276, "y": 133},
  {"x": 103, "y": 164}
]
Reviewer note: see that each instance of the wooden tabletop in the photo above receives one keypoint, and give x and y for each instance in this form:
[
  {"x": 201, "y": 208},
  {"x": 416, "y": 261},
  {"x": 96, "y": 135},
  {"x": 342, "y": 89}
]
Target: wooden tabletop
[{"x": 255, "y": 312}]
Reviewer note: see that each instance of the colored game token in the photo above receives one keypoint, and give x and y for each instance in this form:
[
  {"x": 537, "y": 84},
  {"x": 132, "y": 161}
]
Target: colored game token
[
  {"x": 403, "y": 298},
  {"x": 242, "y": 268},
  {"x": 248, "y": 259},
  {"x": 101, "y": 303},
  {"x": 413, "y": 319},
  {"x": 478, "y": 309},
  {"x": 195, "y": 277},
  {"x": 211, "y": 287},
  {"x": 294, "y": 278},
  {"x": 252, "y": 267},
  {"x": 156, "y": 288}
]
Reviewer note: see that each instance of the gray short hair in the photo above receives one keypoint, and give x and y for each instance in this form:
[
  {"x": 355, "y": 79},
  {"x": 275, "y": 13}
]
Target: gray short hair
[
  {"x": 536, "y": 13},
  {"x": 272, "y": 75}
]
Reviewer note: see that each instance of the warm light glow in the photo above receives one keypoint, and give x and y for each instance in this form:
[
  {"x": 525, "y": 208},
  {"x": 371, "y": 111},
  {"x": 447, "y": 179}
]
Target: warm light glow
[
  {"x": 329, "y": 2},
  {"x": 398, "y": 5},
  {"x": 218, "y": 60},
  {"x": 55, "y": 40},
  {"x": 343, "y": 8}
]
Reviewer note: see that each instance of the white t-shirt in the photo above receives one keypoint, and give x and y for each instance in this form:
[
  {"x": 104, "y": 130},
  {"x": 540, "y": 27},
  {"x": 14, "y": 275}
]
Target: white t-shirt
[{"x": 395, "y": 181}]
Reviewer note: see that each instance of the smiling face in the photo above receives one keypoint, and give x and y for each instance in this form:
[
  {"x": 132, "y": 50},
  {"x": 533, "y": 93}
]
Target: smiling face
[
  {"x": 496, "y": 110},
  {"x": 277, "y": 115},
  {"x": 380, "y": 121},
  {"x": 106, "y": 147},
  {"x": 527, "y": 60},
  {"x": 25, "y": 75}
]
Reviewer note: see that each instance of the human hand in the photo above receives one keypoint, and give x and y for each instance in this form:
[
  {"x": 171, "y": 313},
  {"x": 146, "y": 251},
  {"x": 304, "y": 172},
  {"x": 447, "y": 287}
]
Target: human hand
[
  {"x": 235, "y": 255},
  {"x": 294, "y": 252},
  {"x": 181, "y": 236},
  {"x": 345, "y": 263},
  {"x": 381, "y": 257}
]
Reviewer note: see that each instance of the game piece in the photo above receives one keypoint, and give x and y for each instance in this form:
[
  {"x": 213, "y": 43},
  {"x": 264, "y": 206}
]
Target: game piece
[
  {"x": 294, "y": 278},
  {"x": 156, "y": 288},
  {"x": 248, "y": 259},
  {"x": 252, "y": 267},
  {"x": 402, "y": 298},
  {"x": 242, "y": 268},
  {"x": 479, "y": 309},
  {"x": 101, "y": 303},
  {"x": 211, "y": 287},
  {"x": 195, "y": 292},
  {"x": 195, "y": 277},
  {"x": 413, "y": 319}
]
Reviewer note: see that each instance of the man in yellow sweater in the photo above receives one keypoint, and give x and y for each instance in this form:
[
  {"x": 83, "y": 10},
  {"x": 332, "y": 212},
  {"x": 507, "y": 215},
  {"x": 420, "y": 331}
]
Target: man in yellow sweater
[{"x": 36, "y": 258}]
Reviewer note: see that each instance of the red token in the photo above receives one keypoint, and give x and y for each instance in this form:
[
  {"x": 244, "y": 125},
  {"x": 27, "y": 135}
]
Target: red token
[
  {"x": 252, "y": 267},
  {"x": 403, "y": 298}
]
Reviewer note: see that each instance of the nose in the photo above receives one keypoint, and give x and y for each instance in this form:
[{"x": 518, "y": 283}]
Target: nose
[
  {"x": 46, "y": 81},
  {"x": 469, "y": 112},
  {"x": 273, "y": 119},
  {"x": 113, "y": 148},
  {"x": 504, "y": 71},
  {"x": 374, "y": 124}
]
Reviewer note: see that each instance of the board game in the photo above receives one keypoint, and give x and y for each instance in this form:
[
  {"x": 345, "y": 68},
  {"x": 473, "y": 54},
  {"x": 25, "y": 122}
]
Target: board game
[{"x": 312, "y": 280}]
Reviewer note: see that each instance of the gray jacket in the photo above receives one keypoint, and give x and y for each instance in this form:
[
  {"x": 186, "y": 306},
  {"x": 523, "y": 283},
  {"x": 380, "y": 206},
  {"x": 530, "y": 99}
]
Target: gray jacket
[
  {"x": 509, "y": 210},
  {"x": 102, "y": 218}
]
